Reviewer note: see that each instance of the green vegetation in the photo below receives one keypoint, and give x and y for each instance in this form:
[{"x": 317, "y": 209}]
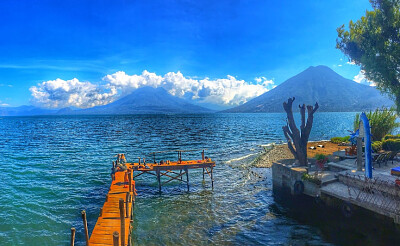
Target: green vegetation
[
  {"x": 312, "y": 178},
  {"x": 382, "y": 121},
  {"x": 373, "y": 43},
  {"x": 338, "y": 140},
  {"x": 391, "y": 144},
  {"x": 320, "y": 157},
  {"x": 377, "y": 146},
  {"x": 391, "y": 137}
]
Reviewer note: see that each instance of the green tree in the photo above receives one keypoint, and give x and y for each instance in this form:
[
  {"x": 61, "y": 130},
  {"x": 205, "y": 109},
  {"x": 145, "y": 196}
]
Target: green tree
[
  {"x": 382, "y": 121},
  {"x": 373, "y": 42}
]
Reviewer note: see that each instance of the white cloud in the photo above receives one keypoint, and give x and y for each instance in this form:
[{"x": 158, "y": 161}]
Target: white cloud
[
  {"x": 65, "y": 93},
  {"x": 360, "y": 78},
  {"x": 351, "y": 63},
  {"x": 227, "y": 91},
  {"x": 3, "y": 104}
]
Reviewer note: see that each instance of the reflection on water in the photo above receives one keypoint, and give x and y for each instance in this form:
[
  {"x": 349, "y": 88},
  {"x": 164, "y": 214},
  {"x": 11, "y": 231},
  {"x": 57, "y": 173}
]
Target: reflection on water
[{"x": 53, "y": 167}]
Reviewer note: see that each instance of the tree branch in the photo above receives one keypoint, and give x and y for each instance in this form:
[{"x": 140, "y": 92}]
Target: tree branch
[
  {"x": 303, "y": 117},
  {"x": 287, "y": 134}
]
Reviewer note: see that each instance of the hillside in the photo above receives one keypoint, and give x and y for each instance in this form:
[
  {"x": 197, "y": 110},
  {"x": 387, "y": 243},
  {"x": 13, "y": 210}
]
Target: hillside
[
  {"x": 146, "y": 100},
  {"x": 317, "y": 84}
]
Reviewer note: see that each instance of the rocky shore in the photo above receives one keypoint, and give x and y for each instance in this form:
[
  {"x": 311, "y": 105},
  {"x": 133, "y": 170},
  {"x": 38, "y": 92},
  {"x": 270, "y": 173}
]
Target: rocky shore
[{"x": 277, "y": 152}]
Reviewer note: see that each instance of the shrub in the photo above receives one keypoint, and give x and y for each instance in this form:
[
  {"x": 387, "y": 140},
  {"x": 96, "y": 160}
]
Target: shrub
[
  {"x": 391, "y": 137},
  {"x": 312, "y": 178},
  {"x": 377, "y": 146},
  {"x": 338, "y": 140},
  {"x": 391, "y": 144},
  {"x": 382, "y": 121},
  {"x": 320, "y": 157}
]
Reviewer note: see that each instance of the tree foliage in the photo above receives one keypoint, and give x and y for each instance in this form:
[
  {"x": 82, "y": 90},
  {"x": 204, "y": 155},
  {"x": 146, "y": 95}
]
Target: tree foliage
[
  {"x": 382, "y": 121},
  {"x": 373, "y": 42}
]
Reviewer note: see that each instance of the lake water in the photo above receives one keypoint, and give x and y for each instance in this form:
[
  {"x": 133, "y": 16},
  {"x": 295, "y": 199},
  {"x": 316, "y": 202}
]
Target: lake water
[{"x": 54, "y": 167}]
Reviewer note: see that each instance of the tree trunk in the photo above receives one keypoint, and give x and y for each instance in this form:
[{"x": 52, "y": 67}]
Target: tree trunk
[{"x": 297, "y": 139}]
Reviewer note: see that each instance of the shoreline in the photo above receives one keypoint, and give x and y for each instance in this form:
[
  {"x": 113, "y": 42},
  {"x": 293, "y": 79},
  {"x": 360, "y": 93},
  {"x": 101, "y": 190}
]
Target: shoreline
[{"x": 281, "y": 151}]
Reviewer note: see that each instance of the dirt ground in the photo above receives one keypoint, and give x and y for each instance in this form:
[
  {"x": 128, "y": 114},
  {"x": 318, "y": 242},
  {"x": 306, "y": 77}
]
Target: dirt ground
[
  {"x": 328, "y": 149},
  {"x": 283, "y": 152}
]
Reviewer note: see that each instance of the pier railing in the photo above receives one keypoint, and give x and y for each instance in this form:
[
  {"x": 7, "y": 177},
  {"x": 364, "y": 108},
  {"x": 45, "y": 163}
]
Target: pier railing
[{"x": 376, "y": 193}]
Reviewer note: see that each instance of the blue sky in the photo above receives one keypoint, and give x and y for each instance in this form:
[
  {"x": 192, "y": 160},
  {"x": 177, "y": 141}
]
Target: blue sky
[{"x": 88, "y": 40}]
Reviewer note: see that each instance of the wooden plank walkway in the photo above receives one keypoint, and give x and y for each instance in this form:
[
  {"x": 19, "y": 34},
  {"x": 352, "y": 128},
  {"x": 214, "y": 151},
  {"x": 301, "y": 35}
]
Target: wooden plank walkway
[
  {"x": 109, "y": 220},
  {"x": 116, "y": 215}
]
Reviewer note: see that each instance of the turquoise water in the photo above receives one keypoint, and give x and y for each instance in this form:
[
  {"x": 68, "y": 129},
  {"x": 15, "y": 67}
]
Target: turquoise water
[{"x": 54, "y": 167}]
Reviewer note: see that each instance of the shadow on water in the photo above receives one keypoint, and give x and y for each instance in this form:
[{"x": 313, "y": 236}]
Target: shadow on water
[{"x": 362, "y": 228}]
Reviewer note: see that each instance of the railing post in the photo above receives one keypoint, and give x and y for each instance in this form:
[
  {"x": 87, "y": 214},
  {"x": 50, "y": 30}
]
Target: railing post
[
  {"x": 122, "y": 217},
  {"x": 73, "y": 236},
  {"x": 128, "y": 195},
  {"x": 130, "y": 180},
  {"x": 86, "y": 227},
  {"x": 115, "y": 238}
]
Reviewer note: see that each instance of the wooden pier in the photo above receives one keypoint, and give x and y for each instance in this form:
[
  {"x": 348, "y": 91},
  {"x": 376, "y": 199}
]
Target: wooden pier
[
  {"x": 114, "y": 227},
  {"x": 174, "y": 170},
  {"x": 117, "y": 212}
]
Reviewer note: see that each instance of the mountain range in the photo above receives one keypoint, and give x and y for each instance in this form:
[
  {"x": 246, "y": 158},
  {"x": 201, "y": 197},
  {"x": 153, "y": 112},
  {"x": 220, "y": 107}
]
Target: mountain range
[
  {"x": 315, "y": 84},
  {"x": 145, "y": 100}
]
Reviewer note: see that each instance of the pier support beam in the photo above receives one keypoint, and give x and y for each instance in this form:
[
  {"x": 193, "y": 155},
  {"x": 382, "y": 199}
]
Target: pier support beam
[
  {"x": 159, "y": 180},
  {"x": 85, "y": 226},
  {"x": 73, "y": 236},
  {"x": 212, "y": 179},
  {"x": 187, "y": 178}
]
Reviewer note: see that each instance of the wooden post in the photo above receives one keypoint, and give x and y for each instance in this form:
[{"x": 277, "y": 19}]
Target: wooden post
[
  {"x": 128, "y": 195},
  {"x": 203, "y": 173},
  {"x": 73, "y": 236},
  {"x": 133, "y": 203},
  {"x": 187, "y": 177},
  {"x": 101, "y": 212},
  {"x": 130, "y": 180},
  {"x": 202, "y": 155},
  {"x": 129, "y": 240},
  {"x": 122, "y": 217},
  {"x": 359, "y": 154},
  {"x": 212, "y": 179},
  {"x": 139, "y": 160},
  {"x": 85, "y": 226},
  {"x": 115, "y": 238},
  {"x": 159, "y": 180},
  {"x": 107, "y": 198}
]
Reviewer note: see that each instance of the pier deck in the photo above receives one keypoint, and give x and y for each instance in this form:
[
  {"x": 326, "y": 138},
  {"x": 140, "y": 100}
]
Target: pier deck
[
  {"x": 169, "y": 170},
  {"x": 114, "y": 225},
  {"x": 109, "y": 220}
]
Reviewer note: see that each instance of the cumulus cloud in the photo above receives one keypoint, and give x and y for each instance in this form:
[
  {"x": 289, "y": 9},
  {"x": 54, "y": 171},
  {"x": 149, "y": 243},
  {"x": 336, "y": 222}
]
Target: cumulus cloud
[
  {"x": 66, "y": 93},
  {"x": 360, "y": 78},
  {"x": 226, "y": 91}
]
